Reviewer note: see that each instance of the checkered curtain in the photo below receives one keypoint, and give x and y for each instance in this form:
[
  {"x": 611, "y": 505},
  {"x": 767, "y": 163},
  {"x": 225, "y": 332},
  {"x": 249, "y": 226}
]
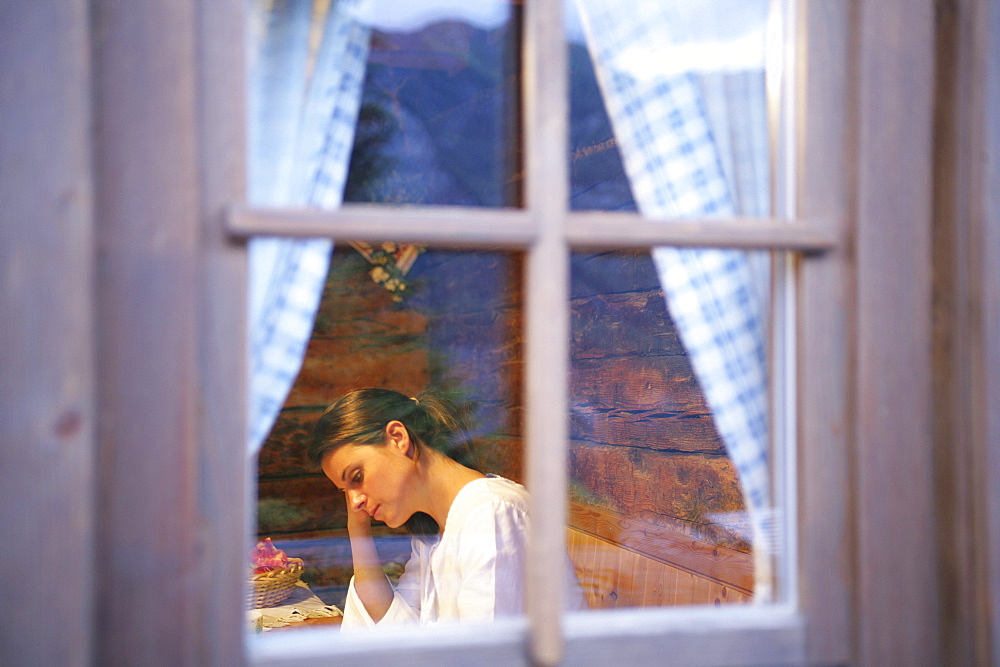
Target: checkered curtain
[
  {"x": 691, "y": 128},
  {"x": 307, "y": 69}
]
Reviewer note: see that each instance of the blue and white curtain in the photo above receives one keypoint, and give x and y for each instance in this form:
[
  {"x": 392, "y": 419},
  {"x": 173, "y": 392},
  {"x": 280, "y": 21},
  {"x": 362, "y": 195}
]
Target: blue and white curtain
[
  {"x": 307, "y": 70},
  {"x": 684, "y": 86}
]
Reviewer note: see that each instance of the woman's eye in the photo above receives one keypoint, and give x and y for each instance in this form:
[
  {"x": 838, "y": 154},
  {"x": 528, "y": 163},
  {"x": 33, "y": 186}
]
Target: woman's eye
[{"x": 357, "y": 477}]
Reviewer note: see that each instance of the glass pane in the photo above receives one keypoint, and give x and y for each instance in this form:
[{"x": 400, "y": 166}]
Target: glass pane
[
  {"x": 450, "y": 328},
  {"x": 385, "y": 101},
  {"x": 669, "y": 109},
  {"x": 670, "y": 461}
]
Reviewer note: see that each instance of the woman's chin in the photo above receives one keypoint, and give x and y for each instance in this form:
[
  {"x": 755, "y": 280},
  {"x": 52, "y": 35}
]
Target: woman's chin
[{"x": 394, "y": 521}]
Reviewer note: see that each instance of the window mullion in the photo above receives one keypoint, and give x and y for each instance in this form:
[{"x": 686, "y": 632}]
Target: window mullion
[{"x": 547, "y": 322}]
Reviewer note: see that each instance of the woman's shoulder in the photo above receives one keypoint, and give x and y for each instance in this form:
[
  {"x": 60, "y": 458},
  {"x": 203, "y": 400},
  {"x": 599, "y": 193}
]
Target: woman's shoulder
[
  {"x": 492, "y": 491},
  {"x": 484, "y": 507}
]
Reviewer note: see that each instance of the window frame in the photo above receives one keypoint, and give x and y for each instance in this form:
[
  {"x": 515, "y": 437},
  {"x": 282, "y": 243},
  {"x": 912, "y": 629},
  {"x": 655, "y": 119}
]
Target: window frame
[
  {"x": 195, "y": 93},
  {"x": 548, "y": 231}
]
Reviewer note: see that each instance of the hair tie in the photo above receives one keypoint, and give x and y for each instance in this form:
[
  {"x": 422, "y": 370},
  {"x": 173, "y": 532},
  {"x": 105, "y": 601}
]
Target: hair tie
[{"x": 414, "y": 399}]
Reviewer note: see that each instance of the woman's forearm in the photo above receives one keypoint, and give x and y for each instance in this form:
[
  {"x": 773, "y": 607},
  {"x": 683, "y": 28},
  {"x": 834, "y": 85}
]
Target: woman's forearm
[{"x": 370, "y": 582}]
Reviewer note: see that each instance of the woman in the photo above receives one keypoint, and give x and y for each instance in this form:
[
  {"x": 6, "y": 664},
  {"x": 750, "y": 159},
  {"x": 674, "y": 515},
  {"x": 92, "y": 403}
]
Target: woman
[{"x": 387, "y": 452}]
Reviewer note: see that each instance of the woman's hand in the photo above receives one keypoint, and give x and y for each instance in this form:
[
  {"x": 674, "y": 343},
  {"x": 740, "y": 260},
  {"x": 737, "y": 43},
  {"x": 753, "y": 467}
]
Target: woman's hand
[
  {"x": 370, "y": 583},
  {"x": 359, "y": 522}
]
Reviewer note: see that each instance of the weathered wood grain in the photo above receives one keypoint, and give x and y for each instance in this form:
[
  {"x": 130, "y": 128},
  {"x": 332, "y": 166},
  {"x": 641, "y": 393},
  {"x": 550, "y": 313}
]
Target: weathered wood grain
[
  {"x": 297, "y": 505},
  {"x": 612, "y": 272},
  {"x": 619, "y": 324},
  {"x": 655, "y": 429},
  {"x": 827, "y": 337},
  {"x": 702, "y": 558},
  {"x": 966, "y": 251},
  {"x": 639, "y": 383},
  {"x": 613, "y": 577},
  {"x": 48, "y": 327},
  {"x": 647, "y": 484},
  {"x": 150, "y": 246},
  {"x": 284, "y": 452},
  {"x": 334, "y": 366},
  {"x": 895, "y": 42},
  {"x": 467, "y": 281}
]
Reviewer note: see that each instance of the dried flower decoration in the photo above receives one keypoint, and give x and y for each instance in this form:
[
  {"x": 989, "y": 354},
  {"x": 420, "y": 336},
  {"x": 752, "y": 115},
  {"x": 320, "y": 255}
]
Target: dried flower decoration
[{"x": 392, "y": 261}]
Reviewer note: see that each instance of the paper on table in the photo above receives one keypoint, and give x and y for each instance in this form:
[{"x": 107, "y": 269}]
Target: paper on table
[{"x": 299, "y": 606}]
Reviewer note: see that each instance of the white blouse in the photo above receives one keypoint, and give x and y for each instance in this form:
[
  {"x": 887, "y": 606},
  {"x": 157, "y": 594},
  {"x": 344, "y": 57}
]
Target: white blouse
[{"x": 473, "y": 571}]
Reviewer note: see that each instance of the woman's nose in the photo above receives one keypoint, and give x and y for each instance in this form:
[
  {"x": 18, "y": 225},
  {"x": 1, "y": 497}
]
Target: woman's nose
[{"x": 357, "y": 499}]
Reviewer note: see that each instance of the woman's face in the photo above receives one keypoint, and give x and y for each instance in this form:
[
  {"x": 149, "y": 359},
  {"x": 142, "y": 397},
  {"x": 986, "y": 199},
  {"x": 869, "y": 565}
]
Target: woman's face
[{"x": 376, "y": 478}]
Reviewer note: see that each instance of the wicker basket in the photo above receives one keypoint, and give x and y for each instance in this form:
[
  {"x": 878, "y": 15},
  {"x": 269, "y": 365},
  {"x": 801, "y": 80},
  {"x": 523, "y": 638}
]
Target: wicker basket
[{"x": 269, "y": 589}]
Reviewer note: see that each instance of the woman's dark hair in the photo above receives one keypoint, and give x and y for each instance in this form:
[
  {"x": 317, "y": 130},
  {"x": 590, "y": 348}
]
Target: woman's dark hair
[{"x": 360, "y": 417}]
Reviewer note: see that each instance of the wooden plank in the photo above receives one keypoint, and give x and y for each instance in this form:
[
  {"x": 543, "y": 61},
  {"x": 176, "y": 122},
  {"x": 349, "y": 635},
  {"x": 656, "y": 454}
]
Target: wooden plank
[
  {"x": 633, "y": 323},
  {"x": 334, "y": 365},
  {"x": 639, "y": 383},
  {"x": 640, "y": 573},
  {"x": 598, "y": 583},
  {"x": 966, "y": 291},
  {"x": 47, "y": 370},
  {"x": 660, "y": 488},
  {"x": 295, "y": 505},
  {"x": 577, "y": 550},
  {"x": 579, "y": 546},
  {"x": 826, "y": 555},
  {"x": 690, "y": 431},
  {"x": 953, "y": 390},
  {"x": 149, "y": 282},
  {"x": 987, "y": 359},
  {"x": 655, "y": 585},
  {"x": 647, "y": 402},
  {"x": 615, "y": 560},
  {"x": 684, "y": 588},
  {"x": 705, "y": 591},
  {"x": 605, "y": 274},
  {"x": 668, "y": 586},
  {"x": 223, "y": 485},
  {"x": 897, "y": 621},
  {"x": 666, "y": 545}
]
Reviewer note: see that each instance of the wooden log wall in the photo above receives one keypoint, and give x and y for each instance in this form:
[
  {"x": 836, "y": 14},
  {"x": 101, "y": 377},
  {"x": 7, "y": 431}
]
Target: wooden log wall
[{"x": 644, "y": 442}]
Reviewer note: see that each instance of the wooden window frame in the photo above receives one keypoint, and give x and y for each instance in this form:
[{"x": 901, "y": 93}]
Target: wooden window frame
[
  {"x": 130, "y": 453},
  {"x": 548, "y": 231}
]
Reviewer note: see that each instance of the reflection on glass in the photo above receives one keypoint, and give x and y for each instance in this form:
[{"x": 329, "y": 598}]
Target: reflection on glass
[
  {"x": 439, "y": 115},
  {"x": 659, "y": 511},
  {"x": 452, "y": 334},
  {"x": 678, "y": 124},
  {"x": 671, "y": 481},
  {"x": 410, "y": 103}
]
